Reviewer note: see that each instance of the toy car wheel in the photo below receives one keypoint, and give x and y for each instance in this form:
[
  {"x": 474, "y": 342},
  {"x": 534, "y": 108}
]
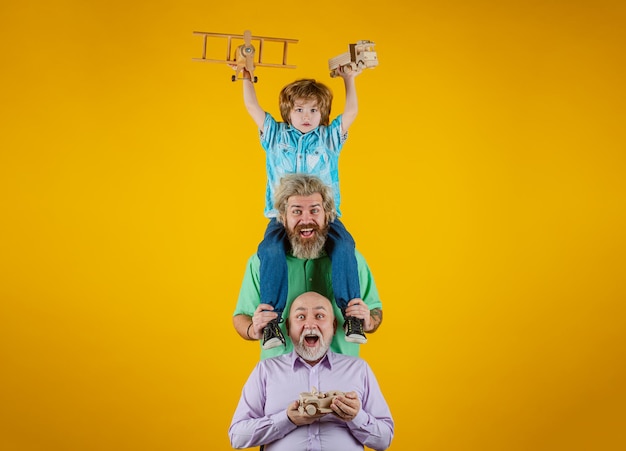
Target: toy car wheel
[{"x": 310, "y": 409}]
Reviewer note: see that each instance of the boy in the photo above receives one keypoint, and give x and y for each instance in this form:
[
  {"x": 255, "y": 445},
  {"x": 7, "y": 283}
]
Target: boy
[{"x": 306, "y": 142}]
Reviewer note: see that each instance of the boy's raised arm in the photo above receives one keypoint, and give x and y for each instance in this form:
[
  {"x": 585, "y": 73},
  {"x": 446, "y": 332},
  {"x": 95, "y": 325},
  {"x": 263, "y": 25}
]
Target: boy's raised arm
[
  {"x": 250, "y": 101},
  {"x": 352, "y": 105}
]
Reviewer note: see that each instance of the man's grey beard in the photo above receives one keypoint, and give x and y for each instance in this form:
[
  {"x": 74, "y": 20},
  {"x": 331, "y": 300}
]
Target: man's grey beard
[
  {"x": 309, "y": 354},
  {"x": 310, "y": 248}
]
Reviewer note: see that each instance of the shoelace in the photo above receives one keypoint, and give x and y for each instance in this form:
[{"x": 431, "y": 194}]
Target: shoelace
[
  {"x": 351, "y": 325},
  {"x": 273, "y": 329}
]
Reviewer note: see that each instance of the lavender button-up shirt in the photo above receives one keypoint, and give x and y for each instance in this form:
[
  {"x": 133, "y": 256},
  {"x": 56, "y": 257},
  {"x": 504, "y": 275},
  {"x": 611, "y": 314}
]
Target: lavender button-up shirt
[{"x": 275, "y": 383}]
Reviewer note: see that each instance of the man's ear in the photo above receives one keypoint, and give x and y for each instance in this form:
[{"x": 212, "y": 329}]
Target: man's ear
[
  {"x": 287, "y": 325},
  {"x": 334, "y": 326}
]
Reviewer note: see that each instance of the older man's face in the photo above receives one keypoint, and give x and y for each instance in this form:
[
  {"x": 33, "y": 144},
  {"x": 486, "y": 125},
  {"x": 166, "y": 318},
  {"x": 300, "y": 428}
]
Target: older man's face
[
  {"x": 305, "y": 221},
  {"x": 311, "y": 326}
]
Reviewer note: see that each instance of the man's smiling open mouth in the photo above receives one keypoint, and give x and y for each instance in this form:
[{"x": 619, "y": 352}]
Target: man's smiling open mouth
[
  {"x": 307, "y": 230},
  {"x": 310, "y": 337}
]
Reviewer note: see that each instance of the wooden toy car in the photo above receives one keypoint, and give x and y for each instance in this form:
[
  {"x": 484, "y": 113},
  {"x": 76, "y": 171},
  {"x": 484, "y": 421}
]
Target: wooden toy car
[
  {"x": 360, "y": 56},
  {"x": 317, "y": 402}
]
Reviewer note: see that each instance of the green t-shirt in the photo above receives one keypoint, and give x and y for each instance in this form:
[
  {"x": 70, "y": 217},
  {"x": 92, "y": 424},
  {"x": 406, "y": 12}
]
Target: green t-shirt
[{"x": 307, "y": 275}]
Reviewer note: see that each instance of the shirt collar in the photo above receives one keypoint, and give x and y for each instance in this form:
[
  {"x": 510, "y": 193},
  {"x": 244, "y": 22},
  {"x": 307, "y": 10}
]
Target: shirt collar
[
  {"x": 298, "y": 133},
  {"x": 327, "y": 360}
]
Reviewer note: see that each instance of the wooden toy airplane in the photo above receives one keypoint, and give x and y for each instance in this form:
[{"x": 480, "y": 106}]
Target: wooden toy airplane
[{"x": 244, "y": 56}]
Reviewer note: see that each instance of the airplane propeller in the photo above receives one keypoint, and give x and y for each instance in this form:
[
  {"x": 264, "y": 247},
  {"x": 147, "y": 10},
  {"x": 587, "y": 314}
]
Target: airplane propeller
[
  {"x": 247, "y": 51},
  {"x": 245, "y": 56}
]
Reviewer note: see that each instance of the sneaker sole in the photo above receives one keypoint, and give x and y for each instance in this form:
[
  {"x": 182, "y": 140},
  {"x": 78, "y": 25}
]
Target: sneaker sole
[
  {"x": 273, "y": 343},
  {"x": 356, "y": 339}
]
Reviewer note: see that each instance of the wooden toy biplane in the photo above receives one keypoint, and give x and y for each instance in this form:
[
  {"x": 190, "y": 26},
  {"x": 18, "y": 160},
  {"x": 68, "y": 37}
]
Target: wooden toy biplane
[{"x": 244, "y": 56}]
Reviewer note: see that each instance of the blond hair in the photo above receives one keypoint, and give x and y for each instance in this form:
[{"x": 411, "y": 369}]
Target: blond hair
[{"x": 303, "y": 185}]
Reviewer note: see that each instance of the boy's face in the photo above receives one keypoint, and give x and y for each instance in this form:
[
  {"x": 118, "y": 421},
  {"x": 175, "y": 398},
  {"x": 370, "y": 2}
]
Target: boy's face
[{"x": 305, "y": 115}]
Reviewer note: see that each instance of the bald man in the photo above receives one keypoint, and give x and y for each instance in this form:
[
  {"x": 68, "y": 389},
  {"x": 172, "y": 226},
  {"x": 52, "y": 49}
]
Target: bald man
[{"x": 267, "y": 413}]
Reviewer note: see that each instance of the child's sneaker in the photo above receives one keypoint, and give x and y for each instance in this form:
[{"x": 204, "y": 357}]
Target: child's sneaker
[
  {"x": 354, "y": 330},
  {"x": 272, "y": 335}
]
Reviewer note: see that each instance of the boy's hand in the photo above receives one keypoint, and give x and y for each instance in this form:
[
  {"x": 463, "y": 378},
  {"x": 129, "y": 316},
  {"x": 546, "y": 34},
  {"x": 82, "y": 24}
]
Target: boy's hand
[
  {"x": 346, "y": 72},
  {"x": 244, "y": 72}
]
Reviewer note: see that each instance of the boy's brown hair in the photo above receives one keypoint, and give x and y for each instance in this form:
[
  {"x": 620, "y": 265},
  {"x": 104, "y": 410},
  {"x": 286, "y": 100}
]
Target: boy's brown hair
[{"x": 306, "y": 89}]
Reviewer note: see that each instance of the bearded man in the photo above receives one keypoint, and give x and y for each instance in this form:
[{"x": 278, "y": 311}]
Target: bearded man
[
  {"x": 267, "y": 414},
  {"x": 305, "y": 207}
]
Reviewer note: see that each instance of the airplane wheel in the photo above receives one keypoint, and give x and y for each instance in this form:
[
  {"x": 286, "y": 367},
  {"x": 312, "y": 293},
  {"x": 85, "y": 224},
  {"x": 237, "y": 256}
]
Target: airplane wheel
[{"x": 310, "y": 409}]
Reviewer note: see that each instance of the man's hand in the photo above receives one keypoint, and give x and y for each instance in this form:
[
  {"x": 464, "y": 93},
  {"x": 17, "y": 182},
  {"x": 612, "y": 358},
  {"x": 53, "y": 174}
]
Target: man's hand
[
  {"x": 262, "y": 315},
  {"x": 359, "y": 309},
  {"x": 346, "y": 407},
  {"x": 301, "y": 419}
]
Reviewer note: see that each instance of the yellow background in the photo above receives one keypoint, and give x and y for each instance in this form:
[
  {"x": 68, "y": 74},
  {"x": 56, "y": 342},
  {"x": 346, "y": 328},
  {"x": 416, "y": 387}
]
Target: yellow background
[{"x": 484, "y": 181}]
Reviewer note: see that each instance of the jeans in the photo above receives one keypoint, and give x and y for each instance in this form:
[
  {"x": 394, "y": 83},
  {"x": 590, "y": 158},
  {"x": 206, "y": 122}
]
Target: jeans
[{"x": 273, "y": 272}]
